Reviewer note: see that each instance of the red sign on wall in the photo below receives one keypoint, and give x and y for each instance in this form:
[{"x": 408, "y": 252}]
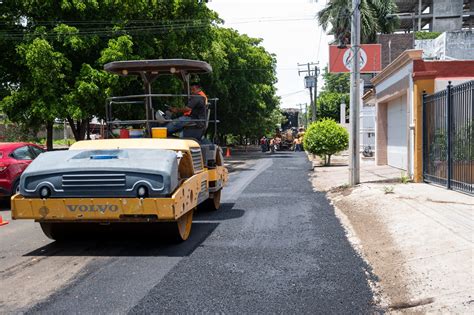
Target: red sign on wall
[{"x": 340, "y": 60}]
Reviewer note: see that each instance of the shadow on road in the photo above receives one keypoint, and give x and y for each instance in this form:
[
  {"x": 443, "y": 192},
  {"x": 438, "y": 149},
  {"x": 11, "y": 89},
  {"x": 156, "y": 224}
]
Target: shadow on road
[
  {"x": 332, "y": 165},
  {"x": 147, "y": 240},
  {"x": 282, "y": 155},
  {"x": 4, "y": 204},
  {"x": 129, "y": 242},
  {"x": 226, "y": 212}
]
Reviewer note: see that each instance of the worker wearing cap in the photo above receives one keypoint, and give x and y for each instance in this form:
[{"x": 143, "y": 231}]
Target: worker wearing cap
[{"x": 195, "y": 109}]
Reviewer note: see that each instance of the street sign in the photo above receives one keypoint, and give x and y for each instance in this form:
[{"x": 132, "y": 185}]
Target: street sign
[
  {"x": 309, "y": 81},
  {"x": 370, "y": 58}
]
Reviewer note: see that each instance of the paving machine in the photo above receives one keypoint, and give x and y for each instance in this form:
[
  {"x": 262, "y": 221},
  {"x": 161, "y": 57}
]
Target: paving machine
[{"x": 149, "y": 179}]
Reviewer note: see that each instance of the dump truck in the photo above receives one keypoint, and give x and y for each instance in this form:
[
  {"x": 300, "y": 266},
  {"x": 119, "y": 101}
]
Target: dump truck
[{"x": 151, "y": 179}]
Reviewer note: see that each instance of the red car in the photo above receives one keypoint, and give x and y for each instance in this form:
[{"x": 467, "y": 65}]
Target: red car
[{"x": 14, "y": 158}]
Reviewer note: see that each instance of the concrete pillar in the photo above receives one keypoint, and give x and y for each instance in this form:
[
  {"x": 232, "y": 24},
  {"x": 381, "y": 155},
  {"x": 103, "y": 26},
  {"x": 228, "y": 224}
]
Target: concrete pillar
[
  {"x": 381, "y": 134},
  {"x": 342, "y": 113},
  {"x": 447, "y": 15},
  {"x": 471, "y": 18}
]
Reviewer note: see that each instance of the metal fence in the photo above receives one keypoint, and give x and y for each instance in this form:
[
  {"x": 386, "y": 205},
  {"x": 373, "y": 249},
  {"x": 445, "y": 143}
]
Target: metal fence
[{"x": 448, "y": 137}]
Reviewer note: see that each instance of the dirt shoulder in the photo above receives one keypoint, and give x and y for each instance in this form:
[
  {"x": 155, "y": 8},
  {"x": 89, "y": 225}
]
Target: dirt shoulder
[{"x": 417, "y": 238}]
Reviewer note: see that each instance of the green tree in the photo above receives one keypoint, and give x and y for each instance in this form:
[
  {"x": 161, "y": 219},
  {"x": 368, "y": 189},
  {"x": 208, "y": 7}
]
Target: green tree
[
  {"x": 81, "y": 36},
  {"x": 244, "y": 80},
  {"x": 329, "y": 104},
  {"x": 337, "y": 13},
  {"x": 71, "y": 84},
  {"x": 334, "y": 92},
  {"x": 325, "y": 138},
  {"x": 336, "y": 82},
  {"x": 38, "y": 100}
]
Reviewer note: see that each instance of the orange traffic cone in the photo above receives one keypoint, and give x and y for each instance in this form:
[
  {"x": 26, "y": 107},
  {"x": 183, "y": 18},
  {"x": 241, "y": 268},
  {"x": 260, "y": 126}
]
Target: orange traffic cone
[
  {"x": 227, "y": 153},
  {"x": 3, "y": 222}
]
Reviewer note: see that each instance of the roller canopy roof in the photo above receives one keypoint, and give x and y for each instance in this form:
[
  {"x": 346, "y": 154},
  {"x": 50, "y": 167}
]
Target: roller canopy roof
[{"x": 157, "y": 66}]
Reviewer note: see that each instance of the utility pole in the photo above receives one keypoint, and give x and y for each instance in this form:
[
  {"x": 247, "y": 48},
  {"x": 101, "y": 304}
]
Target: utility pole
[
  {"x": 303, "y": 115},
  {"x": 354, "y": 162},
  {"x": 306, "y": 116},
  {"x": 315, "y": 107},
  {"x": 310, "y": 83},
  {"x": 300, "y": 116}
]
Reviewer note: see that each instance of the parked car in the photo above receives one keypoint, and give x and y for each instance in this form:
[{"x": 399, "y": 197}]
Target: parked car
[{"x": 14, "y": 158}]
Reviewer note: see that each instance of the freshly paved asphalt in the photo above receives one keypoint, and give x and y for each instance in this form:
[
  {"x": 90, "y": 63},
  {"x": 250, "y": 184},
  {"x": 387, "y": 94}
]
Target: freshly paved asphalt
[{"x": 274, "y": 247}]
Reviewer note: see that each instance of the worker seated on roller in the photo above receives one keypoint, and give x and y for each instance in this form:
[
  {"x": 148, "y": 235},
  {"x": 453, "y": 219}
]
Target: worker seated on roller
[{"x": 195, "y": 109}]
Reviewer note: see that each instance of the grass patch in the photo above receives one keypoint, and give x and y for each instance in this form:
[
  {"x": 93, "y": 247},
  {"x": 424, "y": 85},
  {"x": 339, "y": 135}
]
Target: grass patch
[
  {"x": 388, "y": 189},
  {"x": 404, "y": 178}
]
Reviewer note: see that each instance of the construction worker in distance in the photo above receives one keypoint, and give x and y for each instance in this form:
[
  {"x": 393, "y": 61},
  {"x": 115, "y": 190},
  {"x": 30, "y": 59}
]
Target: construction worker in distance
[{"x": 195, "y": 109}]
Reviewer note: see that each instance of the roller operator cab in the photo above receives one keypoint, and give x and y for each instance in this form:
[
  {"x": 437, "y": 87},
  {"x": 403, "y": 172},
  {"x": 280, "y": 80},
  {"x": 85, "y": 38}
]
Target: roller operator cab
[{"x": 118, "y": 180}]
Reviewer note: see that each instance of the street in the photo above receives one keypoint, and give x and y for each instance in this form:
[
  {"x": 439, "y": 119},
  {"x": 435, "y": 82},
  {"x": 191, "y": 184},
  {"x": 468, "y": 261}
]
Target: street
[{"x": 275, "y": 246}]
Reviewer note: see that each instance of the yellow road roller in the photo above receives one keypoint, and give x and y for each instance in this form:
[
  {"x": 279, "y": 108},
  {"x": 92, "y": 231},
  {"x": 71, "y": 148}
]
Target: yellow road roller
[{"x": 139, "y": 173}]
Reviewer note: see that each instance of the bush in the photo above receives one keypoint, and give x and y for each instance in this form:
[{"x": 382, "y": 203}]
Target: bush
[
  {"x": 426, "y": 35},
  {"x": 325, "y": 138}
]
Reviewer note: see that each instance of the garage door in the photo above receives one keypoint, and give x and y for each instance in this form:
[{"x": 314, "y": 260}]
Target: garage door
[{"x": 397, "y": 133}]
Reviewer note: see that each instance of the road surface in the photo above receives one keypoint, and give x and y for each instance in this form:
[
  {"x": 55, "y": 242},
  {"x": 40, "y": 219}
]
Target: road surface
[{"x": 274, "y": 247}]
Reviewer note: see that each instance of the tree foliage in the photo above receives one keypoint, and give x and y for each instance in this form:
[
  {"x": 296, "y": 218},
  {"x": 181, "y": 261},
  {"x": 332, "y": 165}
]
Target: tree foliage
[
  {"x": 426, "y": 35},
  {"x": 54, "y": 51},
  {"x": 335, "y": 18},
  {"x": 329, "y": 104},
  {"x": 336, "y": 82},
  {"x": 243, "y": 79},
  {"x": 334, "y": 92},
  {"x": 325, "y": 138}
]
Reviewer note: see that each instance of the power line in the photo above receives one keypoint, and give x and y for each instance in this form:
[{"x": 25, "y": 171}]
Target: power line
[
  {"x": 319, "y": 43},
  {"x": 147, "y": 21},
  {"x": 158, "y": 28},
  {"x": 293, "y": 93}
]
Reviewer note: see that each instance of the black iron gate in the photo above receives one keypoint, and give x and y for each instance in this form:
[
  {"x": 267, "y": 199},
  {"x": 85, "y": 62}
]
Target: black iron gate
[{"x": 448, "y": 137}]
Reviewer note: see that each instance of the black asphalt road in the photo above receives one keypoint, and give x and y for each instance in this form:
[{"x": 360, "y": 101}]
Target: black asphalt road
[{"x": 275, "y": 247}]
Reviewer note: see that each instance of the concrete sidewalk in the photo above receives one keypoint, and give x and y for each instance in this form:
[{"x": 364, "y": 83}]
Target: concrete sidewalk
[{"x": 418, "y": 238}]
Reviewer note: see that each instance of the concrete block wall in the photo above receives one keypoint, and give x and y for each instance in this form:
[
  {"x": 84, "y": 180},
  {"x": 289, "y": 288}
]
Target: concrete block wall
[
  {"x": 447, "y": 15},
  {"x": 448, "y": 46},
  {"x": 460, "y": 45}
]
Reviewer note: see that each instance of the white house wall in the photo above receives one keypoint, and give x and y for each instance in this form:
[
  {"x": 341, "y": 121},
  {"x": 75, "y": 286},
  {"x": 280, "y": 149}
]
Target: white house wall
[
  {"x": 396, "y": 92},
  {"x": 395, "y": 84},
  {"x": 397, "y": 153}
]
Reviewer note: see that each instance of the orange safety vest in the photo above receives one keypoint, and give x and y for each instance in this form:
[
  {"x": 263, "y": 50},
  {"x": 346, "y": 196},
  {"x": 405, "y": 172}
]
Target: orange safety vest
[{"x": 188, "y": 113}]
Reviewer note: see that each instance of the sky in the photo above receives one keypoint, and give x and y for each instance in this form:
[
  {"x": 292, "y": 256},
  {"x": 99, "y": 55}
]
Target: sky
[{"x": 289, "y": 30}]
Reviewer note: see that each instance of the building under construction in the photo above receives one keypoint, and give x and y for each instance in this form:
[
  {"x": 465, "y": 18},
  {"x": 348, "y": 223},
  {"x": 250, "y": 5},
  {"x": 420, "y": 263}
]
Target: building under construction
[{"x": 435, "y": 15}]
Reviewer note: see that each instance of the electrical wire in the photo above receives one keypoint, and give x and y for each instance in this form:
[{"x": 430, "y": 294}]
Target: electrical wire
[
  {"x": 160, "y": 27},
  {"x": 319, "y": 44},
  {"x": 292, "y": 93},
  {"x": 147, "y": 21}
]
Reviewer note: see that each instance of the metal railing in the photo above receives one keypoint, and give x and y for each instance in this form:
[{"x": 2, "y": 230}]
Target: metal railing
[{"x": 448, "y": 137}]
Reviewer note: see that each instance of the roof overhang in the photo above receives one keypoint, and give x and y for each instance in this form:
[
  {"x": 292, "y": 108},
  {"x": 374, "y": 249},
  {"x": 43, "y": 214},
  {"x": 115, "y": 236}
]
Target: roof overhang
[
  {"x": 369, "y": 95},
  {"x": 423, "y": 70},
  {"x": 406, "y": 57},
  {"x": 158, "y": 67}
]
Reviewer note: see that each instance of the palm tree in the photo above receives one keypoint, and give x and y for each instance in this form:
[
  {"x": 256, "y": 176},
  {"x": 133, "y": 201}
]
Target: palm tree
[{"x": 373, "y": 19}]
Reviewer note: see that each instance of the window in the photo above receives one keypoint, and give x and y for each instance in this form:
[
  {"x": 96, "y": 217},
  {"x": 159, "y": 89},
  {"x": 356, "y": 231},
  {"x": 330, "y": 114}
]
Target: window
[
  {"x": 23, "y": 153},
  {"x": 36, "y": 151}
]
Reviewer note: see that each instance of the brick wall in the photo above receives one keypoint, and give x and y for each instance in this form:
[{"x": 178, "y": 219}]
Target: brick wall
[{"x": 398, "y": 44}]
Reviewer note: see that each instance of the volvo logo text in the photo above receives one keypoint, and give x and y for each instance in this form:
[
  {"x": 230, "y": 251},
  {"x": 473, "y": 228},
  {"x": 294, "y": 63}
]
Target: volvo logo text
[{"x": 92, "y": 208}]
